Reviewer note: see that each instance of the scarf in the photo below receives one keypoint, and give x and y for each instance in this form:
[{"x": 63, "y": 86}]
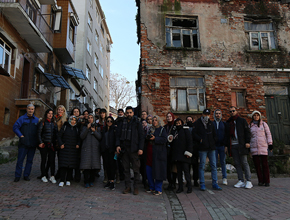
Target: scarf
[
  {"x": 204, "y": 122},
  {"x": 233, "y": 125}
]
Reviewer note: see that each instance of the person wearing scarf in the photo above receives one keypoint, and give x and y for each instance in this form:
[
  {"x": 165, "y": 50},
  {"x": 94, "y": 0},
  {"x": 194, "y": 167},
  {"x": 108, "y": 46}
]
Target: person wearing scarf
[
  {"x": 171, "y": 167},
  {"x": 156, "y": 159},
  {"x": 204, "y": 134},
  {"x": 238, "y": 140},
  {"x": 69, "y": 141},
  {"x": 47, "y": 131},
  {"x": 182, "y": 148}
]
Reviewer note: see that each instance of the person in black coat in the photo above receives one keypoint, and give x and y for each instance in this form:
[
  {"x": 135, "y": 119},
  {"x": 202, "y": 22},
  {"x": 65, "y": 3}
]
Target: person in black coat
[
  {"x": 182, "y": 148},
  {"x": 47, "y": 131},
  {"x": 69, "y": 141},
  {"x": 204, "y": 134},
  {"x": 108, "y": 148},
  {"x": 238, "y": 140},
  {"x": 156, "y": 157}
]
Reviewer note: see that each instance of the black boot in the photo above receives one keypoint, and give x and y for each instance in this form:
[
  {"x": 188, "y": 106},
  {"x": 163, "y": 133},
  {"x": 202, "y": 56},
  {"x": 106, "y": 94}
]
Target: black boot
[{"x": 179, "y": 190}]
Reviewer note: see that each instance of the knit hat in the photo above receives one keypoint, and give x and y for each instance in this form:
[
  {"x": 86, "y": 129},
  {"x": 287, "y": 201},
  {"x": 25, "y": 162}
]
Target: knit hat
[{"x": 256, "y": 112}]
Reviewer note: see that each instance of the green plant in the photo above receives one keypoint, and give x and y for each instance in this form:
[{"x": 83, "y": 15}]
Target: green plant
[{"x": 278, "y": 147}]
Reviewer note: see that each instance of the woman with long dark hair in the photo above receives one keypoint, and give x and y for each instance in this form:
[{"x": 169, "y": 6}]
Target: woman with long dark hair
[
  {"x": 108, "y": 148},
  {"x": 47, "y": 131}
]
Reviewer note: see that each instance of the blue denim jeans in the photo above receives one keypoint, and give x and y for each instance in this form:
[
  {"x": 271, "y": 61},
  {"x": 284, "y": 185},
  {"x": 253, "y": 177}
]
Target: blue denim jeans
[
  {"x": 22, "y": 153},
  {"x": 153, "y": 183},
  {"x": 221, "y": 151},
  {"x": 212, "y": 162}
]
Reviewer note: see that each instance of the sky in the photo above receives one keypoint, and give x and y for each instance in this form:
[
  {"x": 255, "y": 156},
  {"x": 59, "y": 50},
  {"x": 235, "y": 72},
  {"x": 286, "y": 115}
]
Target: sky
[{"x": 125, "y": 52}]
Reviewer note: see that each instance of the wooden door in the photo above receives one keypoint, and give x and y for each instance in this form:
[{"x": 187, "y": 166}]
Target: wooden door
[{"x": 25, "y": 79}]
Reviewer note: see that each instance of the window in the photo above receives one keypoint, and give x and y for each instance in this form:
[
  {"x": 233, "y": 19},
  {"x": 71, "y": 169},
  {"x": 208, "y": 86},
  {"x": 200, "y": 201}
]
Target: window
[
  {"x": 36, "y": 80},
  {"x": 94, "y": 106},
  {"x": 101, "y": 71},
  {"x": 6, "y": 116},
  {"x": 102, "y": 28},
  {"x": 97, "y": 38},
  {"x": 95, "y": 85},
  {"x": 89, "y": 47},
  {"x": 90, "y": 21},
  {"x": 96, "y": 60},
  {"x": 88, "y": 73},
  {"x": 97, "y": 15},
  {"x": 107, "y": 82},
  {"x": 261, "y": 35},
  {"x": 182, "y": 32},
  {"x": 71, "y": 32},
  {"x": 238, "y": 98},
  {"x": 5, "y": 55},
  {"x": 101, "y": 49},
  {"x": 187, "y": 94},
  {"x": 101, "y": 92}
]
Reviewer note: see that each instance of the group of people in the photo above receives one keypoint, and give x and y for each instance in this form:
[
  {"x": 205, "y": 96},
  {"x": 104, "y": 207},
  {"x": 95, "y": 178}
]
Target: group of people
[{"x": 156, "y": 152}]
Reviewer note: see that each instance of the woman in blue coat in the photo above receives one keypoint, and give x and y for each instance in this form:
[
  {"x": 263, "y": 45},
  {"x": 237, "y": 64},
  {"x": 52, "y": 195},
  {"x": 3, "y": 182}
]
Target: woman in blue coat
[{"x": 156, "y": 160}]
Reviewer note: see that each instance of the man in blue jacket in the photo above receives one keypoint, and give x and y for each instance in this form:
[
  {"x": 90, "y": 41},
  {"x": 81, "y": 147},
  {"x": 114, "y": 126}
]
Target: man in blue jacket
[
  {"x": 220, "y": 128},
  {"x": 26, "y": 129}
]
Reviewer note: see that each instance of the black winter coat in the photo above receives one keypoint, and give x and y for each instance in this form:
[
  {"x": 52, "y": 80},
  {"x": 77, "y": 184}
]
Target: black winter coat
[
  {"x": 111, "y": 145},
  {"x": 137, "y": 137},
  {"x": 70, "y": 137},
  {"x": 47, "y": 132},
  {"x": 181, "y": 143},
  {"x": 159, "y": 154},
  {"x": 243, "y": 132},
  {"x": 208, "y": 136}
]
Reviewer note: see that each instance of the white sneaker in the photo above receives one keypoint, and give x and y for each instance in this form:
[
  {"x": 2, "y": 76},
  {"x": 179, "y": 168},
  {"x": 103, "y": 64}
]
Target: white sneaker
[
  {"x": 240, "y": 184},
  {"x": 67, "y": 183},
  {"x": 52, "y": 179},
  {"x": 225, "y": 181},
  {"x": 61, "y": 184},
  {"x": 249, "y": 185},
  {"x": 43, "y": 179}
]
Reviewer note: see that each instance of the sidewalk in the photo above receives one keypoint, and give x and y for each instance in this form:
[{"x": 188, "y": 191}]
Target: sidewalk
[{"x": 37, "y": 200}]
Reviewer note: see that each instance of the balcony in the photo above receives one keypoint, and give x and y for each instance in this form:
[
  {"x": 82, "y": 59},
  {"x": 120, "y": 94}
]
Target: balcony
[
  {"x": 47, "y": 2},
  {"x": 29, "y": 23}
]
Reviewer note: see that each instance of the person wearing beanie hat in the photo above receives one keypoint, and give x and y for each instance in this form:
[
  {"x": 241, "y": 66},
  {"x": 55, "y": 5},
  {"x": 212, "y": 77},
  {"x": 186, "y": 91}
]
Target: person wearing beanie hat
[
  {"x": 261, "y": 141},
  {"x": 26, "y": 129},
  {"x": 204, "y": 134}
]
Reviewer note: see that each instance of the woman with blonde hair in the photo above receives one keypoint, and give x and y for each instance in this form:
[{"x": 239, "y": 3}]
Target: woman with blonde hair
[
  {"x": 156, "y": 160},
  {"x": 61, "y": 116}
]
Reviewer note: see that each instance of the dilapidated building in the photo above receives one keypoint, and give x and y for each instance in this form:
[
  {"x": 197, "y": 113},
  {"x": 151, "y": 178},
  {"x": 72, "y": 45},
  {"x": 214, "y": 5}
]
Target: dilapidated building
[{"x": 198, "y": 54}]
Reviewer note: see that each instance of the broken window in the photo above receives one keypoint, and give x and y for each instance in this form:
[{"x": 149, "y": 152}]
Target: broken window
[
  {"x": 187, "y": 94},
  {"x": 182, "y": 32},
  {"x": 261, "y": 35}
]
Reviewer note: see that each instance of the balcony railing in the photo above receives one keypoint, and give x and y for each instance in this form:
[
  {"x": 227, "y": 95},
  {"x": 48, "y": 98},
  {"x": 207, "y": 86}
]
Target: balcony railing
[{"x": 34, "y": 14}]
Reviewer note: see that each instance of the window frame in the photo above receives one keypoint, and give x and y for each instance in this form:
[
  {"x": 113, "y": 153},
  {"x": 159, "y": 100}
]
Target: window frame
[
  {"x": 90, "y": 21},
  {"x": 89, "y": 47},
  {"x": 88, "y": 72},
  {"x": 5, "y": 53},
  {"x": 236, "y": 103},
  {"x": 174, "y": 89},
  {"x": 71, "y": 32},
  {"x": 96, "y": 61},
  {"x": 96, "y": 85},
  {"x": 171, "y": 27}
]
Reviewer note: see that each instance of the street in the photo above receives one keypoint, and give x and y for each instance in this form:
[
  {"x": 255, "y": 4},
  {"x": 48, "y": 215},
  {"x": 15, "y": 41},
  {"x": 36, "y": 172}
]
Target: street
[{"x": 37, "y": 200}]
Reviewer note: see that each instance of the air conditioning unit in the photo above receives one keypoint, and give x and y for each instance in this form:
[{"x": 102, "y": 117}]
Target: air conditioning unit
[
  {"x": 42, "y": 89},
  {"x": 108, "y": 48}
]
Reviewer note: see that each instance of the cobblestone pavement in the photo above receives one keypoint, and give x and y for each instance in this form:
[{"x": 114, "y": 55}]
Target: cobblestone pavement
[{"x": 37, "y": 200}]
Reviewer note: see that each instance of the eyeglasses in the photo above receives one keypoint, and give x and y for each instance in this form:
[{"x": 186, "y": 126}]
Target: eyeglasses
[
  {"x": 232, "y": 111},
  {"x": 109, "y": 121}
]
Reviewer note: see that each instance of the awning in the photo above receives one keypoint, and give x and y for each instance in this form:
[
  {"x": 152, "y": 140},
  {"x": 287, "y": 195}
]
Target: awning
[
  {"x": 3, "y": 72},
  {"x": 77, "y": 73},
  {"x": 57, "y": 81}
]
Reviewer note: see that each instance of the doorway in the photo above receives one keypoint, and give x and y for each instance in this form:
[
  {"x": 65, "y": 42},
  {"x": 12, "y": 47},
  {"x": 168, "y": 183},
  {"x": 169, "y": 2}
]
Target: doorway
[{"x": 25, "y": 79}]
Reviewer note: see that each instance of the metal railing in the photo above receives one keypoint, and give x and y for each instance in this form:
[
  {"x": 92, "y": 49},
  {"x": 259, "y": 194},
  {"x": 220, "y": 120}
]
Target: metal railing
[{"x": 41, "y": 22}]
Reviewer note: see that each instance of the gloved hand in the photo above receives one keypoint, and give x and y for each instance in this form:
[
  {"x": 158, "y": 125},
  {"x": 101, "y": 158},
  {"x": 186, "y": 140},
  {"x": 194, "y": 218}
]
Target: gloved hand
[{"x": 270, "y": 147}]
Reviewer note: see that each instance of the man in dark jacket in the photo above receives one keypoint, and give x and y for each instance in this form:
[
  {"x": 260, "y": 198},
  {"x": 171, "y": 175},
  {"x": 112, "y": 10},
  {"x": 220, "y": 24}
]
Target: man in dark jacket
[
  {"x": 130, "y": 140},
  {"x": 220, "y": 128},
  {"x": 204, "y": 133},
  {"x": 26, "y": 129},
  {"x": 238, "y": 139}
]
